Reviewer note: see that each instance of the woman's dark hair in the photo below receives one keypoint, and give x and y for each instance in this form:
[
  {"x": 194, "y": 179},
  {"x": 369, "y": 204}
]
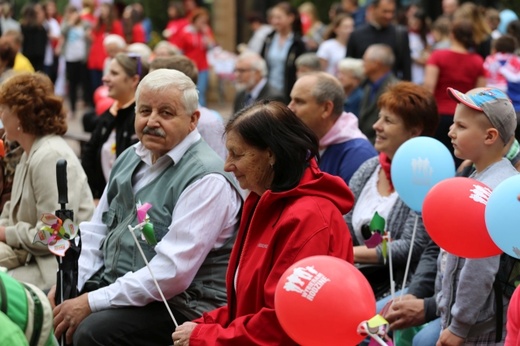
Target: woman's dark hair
[
  {"x": 179, "y": 8},
  {"x": 31, "y": 97},
  {"x": 412, "y": 103},
  {"x": 330, "y": 33},
  {"x": 423, "y": 18},
  {"x": 29, "y": 15},
  {"x": 291, "y": 10},
  {"x": 129, "y": 22},
  {"x": 462, "y": 31},
  {"x": 7, "y": 54},
  {"x": 513, "y": 28},
  {"x": 272, "y": 125},
  {"x": 107, "y": 23},
  {"x": 505, "y": 44}
]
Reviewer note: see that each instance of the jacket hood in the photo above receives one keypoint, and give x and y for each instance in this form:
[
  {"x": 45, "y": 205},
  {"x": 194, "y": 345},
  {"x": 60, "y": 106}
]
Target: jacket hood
[{"x": 319, "y": 184}]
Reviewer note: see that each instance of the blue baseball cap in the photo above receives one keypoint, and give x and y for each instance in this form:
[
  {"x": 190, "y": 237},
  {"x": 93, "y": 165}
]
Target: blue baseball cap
[{"x": 494, "y": 103}]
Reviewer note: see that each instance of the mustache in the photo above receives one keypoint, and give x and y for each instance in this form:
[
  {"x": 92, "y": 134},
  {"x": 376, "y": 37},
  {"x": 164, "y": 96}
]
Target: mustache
[{"x": 154, "y": 131}]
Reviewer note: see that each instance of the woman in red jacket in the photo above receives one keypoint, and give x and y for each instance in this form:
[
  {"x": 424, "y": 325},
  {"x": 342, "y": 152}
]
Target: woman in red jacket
[{"x": 293, "y": 211}]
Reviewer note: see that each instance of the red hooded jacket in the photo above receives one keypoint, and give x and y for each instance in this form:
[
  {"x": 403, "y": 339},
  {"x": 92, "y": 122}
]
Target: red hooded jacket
[{"x": 277, "y": 229}]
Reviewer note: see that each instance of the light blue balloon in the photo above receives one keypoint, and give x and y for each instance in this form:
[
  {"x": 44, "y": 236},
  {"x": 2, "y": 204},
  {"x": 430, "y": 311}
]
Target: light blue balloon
[
  {"x": 502, "y": 216},
  {"x": 418, "y": 165}
]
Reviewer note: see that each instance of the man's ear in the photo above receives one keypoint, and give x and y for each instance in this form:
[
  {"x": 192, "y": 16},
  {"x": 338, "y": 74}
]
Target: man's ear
[
  {"x": 492, "y": 136},
  {"x": 328, "y": 107},
  {"x": 194, "y": 120}
]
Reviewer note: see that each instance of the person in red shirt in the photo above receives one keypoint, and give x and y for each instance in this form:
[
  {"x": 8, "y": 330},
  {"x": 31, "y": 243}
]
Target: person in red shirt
[
  {"x": 195, "y": 41},
  {"x": 456, "y": 67},
  {"x": 176, "y": 24},
  {"x": 293, "y": 211},
  {"x": 132, "y": 27},
  {"x": 107, "y": 23}
]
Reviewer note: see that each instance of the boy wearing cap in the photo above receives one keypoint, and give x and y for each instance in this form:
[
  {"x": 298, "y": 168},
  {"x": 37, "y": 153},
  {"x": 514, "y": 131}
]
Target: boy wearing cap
[{"x": 484, "y": 122}]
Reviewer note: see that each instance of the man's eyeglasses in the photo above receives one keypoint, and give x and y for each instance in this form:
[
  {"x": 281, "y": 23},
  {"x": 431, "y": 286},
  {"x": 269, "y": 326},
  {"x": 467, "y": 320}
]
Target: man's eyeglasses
[
  {"x": 242, "y": 70},
  {"x": 137, "y": 58}
]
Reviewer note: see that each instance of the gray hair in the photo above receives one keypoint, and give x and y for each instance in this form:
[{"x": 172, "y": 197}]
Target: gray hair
[
  {"x": 328, "y": 88},
  {"x": 140, "y": 48},
  {"x": 355, "y": 66},
  {"x": 257, "y": 62},
  {"x": 116, "y": 40},
  {"x": 309, "y": 60},
  {"x": 163, "y": 79},
  {"x": 382, "y": 53},
  {"x": 172, "y": 50}
]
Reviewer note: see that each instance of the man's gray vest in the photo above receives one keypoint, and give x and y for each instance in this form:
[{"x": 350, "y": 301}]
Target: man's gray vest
[{"x": 121, "y": 255}]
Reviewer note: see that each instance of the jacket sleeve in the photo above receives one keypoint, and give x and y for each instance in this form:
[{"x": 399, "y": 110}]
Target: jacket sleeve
[
  {"x": 473, "y": 290},
  {"x": 430, "y": 309},
  {"x": 263, "y": 328},
  {"x": 423, "y": 280},
  {"x": 39, "y": 174}
]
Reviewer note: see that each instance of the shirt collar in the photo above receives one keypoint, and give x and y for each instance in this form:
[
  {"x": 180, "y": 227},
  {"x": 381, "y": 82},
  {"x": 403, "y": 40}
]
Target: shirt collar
[
  {"x": 378, "y": 82},
  {"x": 258, "y": 87},
  {"x": 175, "y": 154}
]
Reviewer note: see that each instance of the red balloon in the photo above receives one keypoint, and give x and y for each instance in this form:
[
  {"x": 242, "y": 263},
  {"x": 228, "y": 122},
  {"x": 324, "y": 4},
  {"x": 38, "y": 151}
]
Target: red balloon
[
  {"x": 100, "y": 93},
  {"x": 103, "y": 104},
  {"x": 321, "y": 300},
  {"x": 453, "y": 214}
]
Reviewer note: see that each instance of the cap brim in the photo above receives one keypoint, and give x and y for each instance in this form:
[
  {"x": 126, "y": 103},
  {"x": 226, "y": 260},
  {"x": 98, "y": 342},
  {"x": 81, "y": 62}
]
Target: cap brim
[{"x": 459, "y": 97}]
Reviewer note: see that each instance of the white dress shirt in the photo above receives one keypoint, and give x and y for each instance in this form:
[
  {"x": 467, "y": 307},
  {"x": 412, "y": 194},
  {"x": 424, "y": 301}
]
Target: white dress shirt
[{"x": 205, "y": 215}]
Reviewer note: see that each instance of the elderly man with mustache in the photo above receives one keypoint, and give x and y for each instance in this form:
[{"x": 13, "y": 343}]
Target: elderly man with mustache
[{"x": 195, "y": 210}]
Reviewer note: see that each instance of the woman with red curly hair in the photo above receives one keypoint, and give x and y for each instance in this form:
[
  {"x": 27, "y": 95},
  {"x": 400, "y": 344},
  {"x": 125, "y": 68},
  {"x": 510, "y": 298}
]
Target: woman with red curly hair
[{"x": 35, "y": 118}]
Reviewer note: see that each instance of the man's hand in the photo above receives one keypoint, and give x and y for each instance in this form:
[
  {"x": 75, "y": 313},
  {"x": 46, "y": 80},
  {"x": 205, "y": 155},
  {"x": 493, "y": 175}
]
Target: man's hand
[
  {"x": 405, "y": 313},
  {"x": 69, "y": 314},
  {"x": 447, "y": 338},
  {"x": 181, "y": 335}
]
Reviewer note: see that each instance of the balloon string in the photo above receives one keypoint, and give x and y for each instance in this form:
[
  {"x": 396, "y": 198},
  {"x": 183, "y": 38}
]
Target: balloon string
[
  {"x": 409, "y": 256},
  {"x": 151, "y": 273},
  {"x": 390, "y": 265}
]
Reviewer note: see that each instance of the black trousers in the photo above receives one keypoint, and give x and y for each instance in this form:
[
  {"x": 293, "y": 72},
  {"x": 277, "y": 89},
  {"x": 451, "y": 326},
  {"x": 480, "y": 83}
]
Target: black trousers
[{"x": 147, "y": 325}]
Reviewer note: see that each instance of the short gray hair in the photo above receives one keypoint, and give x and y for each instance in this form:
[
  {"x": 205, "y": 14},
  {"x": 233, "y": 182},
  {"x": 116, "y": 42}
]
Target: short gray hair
[
  {"x": 114, "y": 39},
  {"x": 309, "y": 60},
  {"x": 328, "y": 88},
  {"x": 163, "y": 79},
  {"x": 355, "y": 66},
  {"x": 257, "y": 62},
  {"x": 382, "y": 53}
]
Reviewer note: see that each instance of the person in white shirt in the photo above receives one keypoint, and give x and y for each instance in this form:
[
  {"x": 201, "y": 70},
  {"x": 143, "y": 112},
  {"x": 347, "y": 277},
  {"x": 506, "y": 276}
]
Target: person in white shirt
[
  {"x": 195, "y": 219},
  {"x": 260, "y": 31},
  {"x": 334, "y": 48}
]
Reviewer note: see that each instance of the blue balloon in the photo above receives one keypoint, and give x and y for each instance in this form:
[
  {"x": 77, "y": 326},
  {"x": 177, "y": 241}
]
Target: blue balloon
[
  {"x": 419, "y": 164},
  {"x": 502, "y": 216}
]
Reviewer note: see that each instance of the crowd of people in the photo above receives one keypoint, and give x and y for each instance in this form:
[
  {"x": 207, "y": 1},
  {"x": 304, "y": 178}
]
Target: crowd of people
[{"x": 302, "y": 166}]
